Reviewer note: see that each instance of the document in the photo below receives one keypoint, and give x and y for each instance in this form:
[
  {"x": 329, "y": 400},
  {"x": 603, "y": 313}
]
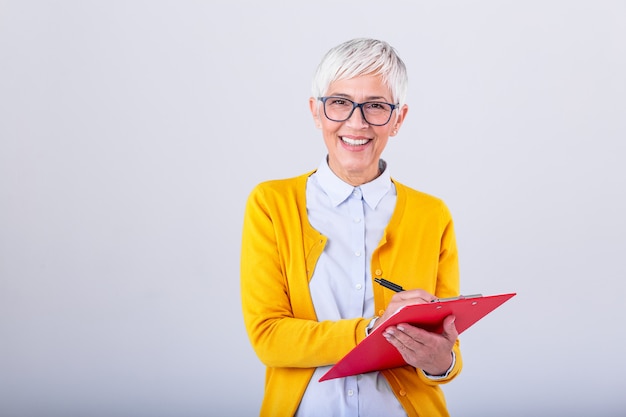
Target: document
[{"x": 375, "y": 353}]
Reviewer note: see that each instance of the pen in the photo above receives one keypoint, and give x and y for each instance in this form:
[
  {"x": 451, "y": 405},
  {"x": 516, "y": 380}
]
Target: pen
[
  {"x": 398, "y": 288},
  {"x": 389, "y": 284}
]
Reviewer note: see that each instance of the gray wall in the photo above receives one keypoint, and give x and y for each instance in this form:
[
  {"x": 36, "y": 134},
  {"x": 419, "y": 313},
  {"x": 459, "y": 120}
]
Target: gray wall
[{"x": 131, "y": 133}]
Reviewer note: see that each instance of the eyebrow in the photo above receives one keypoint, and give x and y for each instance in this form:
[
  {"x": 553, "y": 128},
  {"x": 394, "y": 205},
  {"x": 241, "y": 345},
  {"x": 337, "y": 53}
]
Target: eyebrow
[{"x": 370, "y": 98}]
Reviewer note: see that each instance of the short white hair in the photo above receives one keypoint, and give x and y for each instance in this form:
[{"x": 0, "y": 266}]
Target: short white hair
[{"x": 359, "y": 57}]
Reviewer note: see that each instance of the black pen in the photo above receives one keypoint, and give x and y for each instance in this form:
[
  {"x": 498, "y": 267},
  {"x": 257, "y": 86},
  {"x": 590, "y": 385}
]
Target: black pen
[
  {"x": 398, "y": 288},
  {"x": 389, "y": 284}
]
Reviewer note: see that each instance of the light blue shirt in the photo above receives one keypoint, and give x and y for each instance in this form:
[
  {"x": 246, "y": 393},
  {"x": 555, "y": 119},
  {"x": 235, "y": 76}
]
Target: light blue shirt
[{"x": 353, "y": 219}]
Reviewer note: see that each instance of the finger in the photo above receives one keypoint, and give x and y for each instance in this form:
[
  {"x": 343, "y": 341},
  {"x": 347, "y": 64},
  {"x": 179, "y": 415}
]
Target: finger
[
  {"x": 399, "y": 339},
  {"x": 408, "y": 335},
  {"x": 449, "y": 328},
  {"x": 401, "y": 347}
]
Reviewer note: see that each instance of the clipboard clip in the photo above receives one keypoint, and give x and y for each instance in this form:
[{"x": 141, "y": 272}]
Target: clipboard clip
[{"x": 460, "y": 297}]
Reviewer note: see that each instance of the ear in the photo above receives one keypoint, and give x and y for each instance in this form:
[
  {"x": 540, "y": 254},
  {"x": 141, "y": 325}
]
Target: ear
[
  {"x": 399, "y": 120},
  {"x": 314, "y": 107}
]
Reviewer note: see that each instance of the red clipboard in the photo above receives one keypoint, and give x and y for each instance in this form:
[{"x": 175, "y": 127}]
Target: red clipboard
[{"x": 374, "y": 353}]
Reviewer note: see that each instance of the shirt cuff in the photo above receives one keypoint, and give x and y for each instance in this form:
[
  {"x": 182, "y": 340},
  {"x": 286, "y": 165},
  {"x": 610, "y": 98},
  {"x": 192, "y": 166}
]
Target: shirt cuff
[
  {"x": 370, "y": 326},
  {"x": 436, "y": 377}
]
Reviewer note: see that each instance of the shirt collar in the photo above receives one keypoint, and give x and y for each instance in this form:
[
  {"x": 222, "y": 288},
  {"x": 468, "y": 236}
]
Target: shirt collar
[{"x": 339, "y": 191}]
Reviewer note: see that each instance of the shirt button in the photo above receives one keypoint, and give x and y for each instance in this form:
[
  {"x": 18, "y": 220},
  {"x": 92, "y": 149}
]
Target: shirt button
[
  {"x": 402, "y": 393},
  {"x": 378, "y": 272},
  {"x": 357, "y": 219},
  {"x": 381, "y": 312},
  {"x": 358, "y": 286},
  {"x": 357, "y": 253},
  {"x": 350, "y": 392}
]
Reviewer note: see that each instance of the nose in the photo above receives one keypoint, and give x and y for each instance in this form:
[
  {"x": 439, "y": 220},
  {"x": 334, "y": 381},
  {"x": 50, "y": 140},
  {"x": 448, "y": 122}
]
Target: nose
[{"x": 357, "y": 118}]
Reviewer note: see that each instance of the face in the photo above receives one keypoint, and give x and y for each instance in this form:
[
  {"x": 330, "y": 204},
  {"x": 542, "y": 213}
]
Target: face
[{"x": 354, "y": 146}]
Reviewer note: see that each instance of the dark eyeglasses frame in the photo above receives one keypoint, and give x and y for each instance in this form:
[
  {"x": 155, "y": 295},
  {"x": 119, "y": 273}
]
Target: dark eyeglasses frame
[{"x": 360, "y": 106}]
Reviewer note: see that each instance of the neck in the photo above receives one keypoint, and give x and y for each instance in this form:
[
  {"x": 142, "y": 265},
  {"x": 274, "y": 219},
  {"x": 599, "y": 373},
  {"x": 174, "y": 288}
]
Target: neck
[{"x": 357, "y": 178}]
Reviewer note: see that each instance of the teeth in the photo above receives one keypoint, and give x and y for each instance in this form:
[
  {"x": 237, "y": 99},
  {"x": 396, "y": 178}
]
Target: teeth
[{"x": 354, "y": 141}]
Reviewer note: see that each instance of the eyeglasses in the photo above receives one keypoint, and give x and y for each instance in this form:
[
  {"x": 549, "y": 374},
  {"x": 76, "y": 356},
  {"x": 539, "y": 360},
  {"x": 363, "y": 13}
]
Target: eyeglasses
[{"x": 340, "y": 109}]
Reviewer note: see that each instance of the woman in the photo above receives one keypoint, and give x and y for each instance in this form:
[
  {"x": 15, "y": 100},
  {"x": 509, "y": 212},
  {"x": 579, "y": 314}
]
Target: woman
[{"x": 312, "y": 246}]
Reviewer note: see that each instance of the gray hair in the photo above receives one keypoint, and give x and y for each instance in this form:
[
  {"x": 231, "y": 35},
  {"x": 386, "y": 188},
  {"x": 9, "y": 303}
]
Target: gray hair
[{"x": 358, "y": 57}]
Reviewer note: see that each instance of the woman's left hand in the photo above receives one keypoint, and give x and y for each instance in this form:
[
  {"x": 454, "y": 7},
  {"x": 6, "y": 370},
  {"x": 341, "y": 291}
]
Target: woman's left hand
[{"x": 431, "y": 352}]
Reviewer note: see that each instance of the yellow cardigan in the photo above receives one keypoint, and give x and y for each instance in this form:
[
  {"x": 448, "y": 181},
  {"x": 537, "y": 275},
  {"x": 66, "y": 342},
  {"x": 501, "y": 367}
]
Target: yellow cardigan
[{"x": 279, "y": 252}]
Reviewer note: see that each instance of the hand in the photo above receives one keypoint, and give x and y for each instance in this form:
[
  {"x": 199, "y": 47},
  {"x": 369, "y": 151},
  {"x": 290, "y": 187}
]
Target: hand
[
  {"x": 405, "y": 298},
  {"x": 421, "y": 349}
]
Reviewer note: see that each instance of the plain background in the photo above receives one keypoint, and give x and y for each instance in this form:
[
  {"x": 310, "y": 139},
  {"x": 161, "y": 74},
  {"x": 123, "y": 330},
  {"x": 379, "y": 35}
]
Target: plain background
[{"x": 131, "y": 133}]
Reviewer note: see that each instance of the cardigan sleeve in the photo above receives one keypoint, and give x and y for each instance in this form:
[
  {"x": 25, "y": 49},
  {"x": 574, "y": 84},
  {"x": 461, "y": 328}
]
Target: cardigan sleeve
[{"x": 274, "y": 285}]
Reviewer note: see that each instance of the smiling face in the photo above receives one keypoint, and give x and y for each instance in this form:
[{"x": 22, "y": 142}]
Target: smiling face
[{"x": 354, "y": 146}]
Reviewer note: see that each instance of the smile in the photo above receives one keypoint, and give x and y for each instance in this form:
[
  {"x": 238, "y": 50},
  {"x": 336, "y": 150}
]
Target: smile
[{"x": 354, "y": 142}]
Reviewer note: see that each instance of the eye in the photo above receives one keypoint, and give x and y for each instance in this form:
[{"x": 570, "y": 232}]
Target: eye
[
  {"x": 339, "y": 102},
  {"x": 377, "y": 106}
]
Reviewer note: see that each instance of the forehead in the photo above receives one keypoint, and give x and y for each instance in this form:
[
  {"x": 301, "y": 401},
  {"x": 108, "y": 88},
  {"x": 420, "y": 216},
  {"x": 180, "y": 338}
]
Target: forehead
[{"x": 363, "y": 87}]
